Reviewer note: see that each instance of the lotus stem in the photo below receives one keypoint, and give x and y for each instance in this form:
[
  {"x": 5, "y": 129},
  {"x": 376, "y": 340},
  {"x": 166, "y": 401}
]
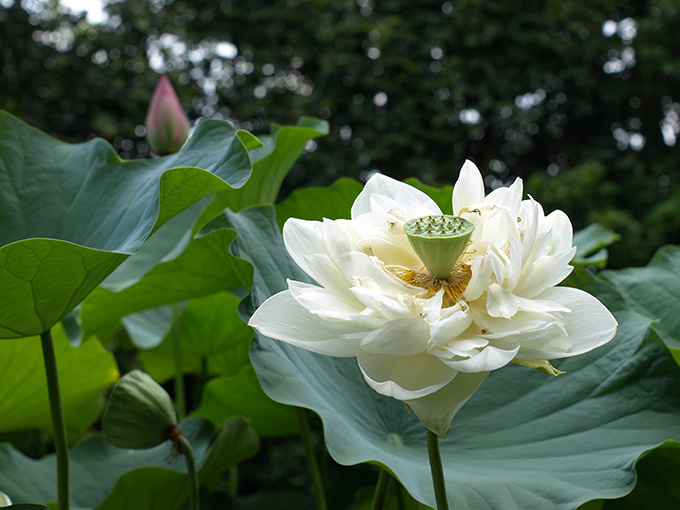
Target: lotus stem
[
  {"x": 381, "y": 488},
  {"x": 192, "y": 473},
  {"x": 60, "y": 442},
  {"x": 180, "y": 394},
  {"x": 312, "y": 464},
  {"x": 437, "y": 471},
  {"x": 233, "y": 481}
]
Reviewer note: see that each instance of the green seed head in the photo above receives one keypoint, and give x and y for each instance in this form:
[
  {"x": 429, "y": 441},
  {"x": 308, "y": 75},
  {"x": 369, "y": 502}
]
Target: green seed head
[
  {"x": 439, "y": 241},
  {"x": 139, "y": 412}
]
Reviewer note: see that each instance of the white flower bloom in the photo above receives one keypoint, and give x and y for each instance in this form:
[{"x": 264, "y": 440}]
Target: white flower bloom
[{"x": 427, "y": 341}]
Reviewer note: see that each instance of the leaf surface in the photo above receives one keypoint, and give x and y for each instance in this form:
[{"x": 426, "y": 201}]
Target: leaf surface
[{"x": 71, "y": 214}]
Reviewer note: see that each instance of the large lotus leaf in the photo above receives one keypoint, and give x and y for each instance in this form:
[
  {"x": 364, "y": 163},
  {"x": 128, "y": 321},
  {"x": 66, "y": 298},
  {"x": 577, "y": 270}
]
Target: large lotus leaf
[
  {"x": 206, "y": 266},
  {"x": 167, "y": 268},
  {"x": 654, "y": 291},
  {"x": 150, "y": 488},
  {"x": 657, "y": 484},
  {"x": 334, "y": 201},
  {"x": 71, "y": 214},
  {"x": 271, "y": 164},
  {"x": 591, "y": 243},
  {"x": 96, "y": 466},
  {"x": 210, "y": 331},
  {"x": 147, "y": 329},
  {"x": 240, "y": 394},
  {"x": 84, "y": 375},
  {"x": 524, "y": 440}
]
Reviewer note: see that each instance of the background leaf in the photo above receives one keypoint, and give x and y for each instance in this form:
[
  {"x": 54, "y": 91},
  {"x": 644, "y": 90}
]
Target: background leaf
[
  {"x": 591, "y": 243},
  {"x": 209, "y": 329},
  {"x": 84, "y": 374},
  {"x": 271, "y": 164},
  {"x": 654, "y": 291},
  {"x": 333, "y": 202},
  {"x": 657, "y": 483},
  {"x": 72, "y": 213},
  {"x": 241, "y": 395},
  {"x": 206, "y": 266}
]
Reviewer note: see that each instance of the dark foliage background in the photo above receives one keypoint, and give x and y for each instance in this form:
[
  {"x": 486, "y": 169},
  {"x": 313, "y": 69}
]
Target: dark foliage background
[{"x": 578, "y": 98}]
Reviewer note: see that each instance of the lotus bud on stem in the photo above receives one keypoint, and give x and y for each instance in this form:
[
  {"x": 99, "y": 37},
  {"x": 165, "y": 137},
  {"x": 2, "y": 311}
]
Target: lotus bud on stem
[
  {"x": 167, "y": 126},
  {"x": 439, "y": 241},
  {"x": 140, "y": 414}
]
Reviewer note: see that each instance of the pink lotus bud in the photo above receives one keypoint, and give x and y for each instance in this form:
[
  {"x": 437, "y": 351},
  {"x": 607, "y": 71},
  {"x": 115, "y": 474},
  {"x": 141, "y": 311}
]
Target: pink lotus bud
[{"x": 167, "y": 125}]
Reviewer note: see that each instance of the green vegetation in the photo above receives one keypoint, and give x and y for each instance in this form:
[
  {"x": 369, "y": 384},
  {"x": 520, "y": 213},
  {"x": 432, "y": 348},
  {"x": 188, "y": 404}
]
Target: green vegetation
[{"x": 552, "y": 94}]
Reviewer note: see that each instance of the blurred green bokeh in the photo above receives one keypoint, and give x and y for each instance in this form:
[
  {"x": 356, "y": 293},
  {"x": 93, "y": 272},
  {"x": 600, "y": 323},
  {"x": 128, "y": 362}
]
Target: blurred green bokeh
[{"x": 578, "y": 98}]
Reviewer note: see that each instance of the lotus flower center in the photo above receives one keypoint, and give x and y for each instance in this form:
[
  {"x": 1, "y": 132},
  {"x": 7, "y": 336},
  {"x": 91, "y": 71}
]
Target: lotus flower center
[
  {"x": 439, "y": 241},
  {"x": 454, "y": 285}
]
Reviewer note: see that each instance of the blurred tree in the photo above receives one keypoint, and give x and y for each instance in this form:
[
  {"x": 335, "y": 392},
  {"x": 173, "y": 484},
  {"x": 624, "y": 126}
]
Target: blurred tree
[{"x": 579, "y": 97}]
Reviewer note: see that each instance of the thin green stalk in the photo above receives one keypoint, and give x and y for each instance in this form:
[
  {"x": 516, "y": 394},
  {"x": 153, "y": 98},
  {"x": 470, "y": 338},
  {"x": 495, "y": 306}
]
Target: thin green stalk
[
  {"x": 437, "y": 470},
  {"x": 380, "y": 493},
  {"x": 180, "y": 394},
  {"x": 323, "y": 461},
  {"x": 312, "y": 464},
  {"x": 60, "y": 443},
  {"x": 204, "y": 370},
  {"x": 40, "y": 443},
  {"x": 233, "y": 481},
  {"x": 192, "y": 473},
  {"x": 400, "y": 497}
]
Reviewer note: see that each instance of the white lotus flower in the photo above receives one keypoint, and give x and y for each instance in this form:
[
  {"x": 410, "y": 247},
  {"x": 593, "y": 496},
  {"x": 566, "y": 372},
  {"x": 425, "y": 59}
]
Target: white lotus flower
[{"x": 426, "y": 340}]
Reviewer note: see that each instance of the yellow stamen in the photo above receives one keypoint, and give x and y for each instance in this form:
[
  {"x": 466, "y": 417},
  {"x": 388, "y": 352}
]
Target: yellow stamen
[{"x": 454, "y": 285}]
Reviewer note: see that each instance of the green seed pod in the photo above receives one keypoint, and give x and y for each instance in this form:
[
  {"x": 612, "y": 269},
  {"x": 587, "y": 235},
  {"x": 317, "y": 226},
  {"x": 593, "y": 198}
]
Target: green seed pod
[
  {"x": 439, "y": 241},
  {"x": 139, "y": 412}
]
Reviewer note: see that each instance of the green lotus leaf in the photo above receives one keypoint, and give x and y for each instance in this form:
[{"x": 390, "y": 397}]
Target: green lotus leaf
[
  {"x": 333, "y": 202},
  {"x": 72, "y": 213},
  {"x": 654, "y": 291},
  {"x": 147, "y": 329},
  {"x": 271, "y": 164},
  {"x": 84, "y": 375},
  {"x": 27, "y": 506},
  {"x": 210, "y": 332},
  {"x": 524, "y": 440},
  {"x": 102, "y": 474},
  {"x": 240, "y": 394},
  {"x": 206, "y": 266},
  {"x": 657, "y": 484},
  {"x": 167, "y": 268},
  {"x": 591, "y": 245}
]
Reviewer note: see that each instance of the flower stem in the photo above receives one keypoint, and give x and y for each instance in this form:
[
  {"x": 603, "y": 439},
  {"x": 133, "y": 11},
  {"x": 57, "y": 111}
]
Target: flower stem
[
  {"x": 312, "y": 464},
  {"x": 180, "y": 398},
  {"x": 233, "y": 481},
  {"x": 192, "y": 474},
  {"x": 60, "y": 443},
  {"x": 380, "y": 493},
  {"x": 437, "y": 470}
]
